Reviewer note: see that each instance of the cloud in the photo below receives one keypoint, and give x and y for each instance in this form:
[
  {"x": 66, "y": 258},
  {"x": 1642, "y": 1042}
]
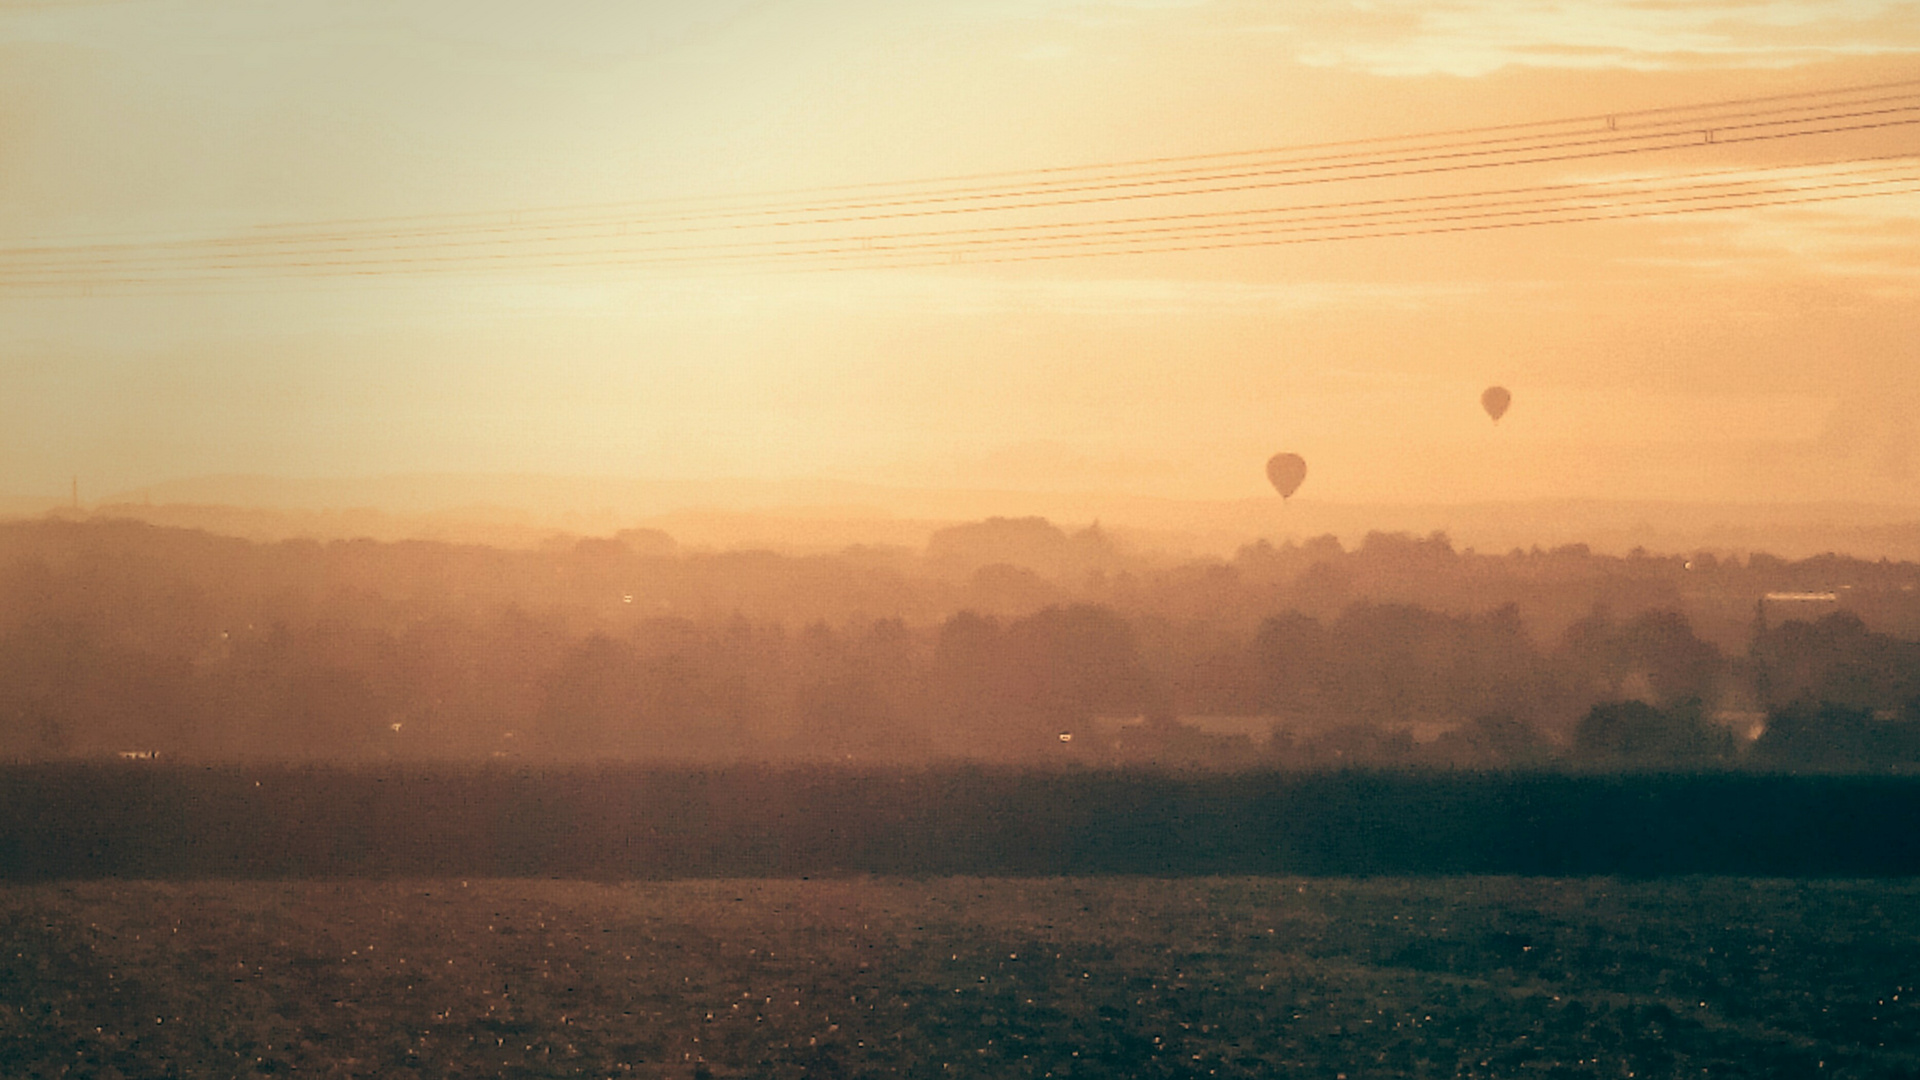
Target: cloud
[
  {"x": 1872, "y": 241},
  {"x": 1474, "y": 37}
]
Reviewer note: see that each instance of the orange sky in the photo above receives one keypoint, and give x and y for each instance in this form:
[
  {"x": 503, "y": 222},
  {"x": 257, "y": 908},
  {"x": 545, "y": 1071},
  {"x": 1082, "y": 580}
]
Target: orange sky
[{"x": 1766, "y": 354}]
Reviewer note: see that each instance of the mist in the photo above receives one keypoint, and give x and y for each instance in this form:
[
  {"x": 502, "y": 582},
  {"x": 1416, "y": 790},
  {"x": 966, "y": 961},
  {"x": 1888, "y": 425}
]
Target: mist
[
  {"x": 1008, "y": 640},
  {"x": 826, "y": 540}
]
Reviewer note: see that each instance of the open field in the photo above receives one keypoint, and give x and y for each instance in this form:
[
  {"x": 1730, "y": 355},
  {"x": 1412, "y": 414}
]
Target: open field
[{"x": 953, "y": 977}]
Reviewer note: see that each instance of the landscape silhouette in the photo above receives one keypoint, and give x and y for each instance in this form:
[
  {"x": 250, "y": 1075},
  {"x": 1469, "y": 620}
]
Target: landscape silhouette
[{"x": 1049, "y": 539}]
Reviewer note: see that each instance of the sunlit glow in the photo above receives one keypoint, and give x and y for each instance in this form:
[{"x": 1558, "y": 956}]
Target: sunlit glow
[{"x": 432, "y": 241}]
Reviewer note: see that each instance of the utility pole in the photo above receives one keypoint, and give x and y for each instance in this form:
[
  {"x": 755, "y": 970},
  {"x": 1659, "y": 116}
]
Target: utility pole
[{"x": 76, "y": 493}]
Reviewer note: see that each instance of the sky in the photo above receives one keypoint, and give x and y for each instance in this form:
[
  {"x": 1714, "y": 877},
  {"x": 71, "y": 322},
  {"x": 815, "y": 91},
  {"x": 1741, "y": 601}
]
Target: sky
[{"x": 449, "y": 219}]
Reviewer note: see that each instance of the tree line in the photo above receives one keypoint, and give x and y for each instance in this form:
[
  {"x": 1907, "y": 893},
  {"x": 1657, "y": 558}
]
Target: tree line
[{"x": 1005, "y": 641}]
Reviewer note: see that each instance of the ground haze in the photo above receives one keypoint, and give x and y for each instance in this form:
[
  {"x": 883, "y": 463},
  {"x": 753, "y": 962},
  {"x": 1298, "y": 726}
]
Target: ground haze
[{"x": 497, "y": 501}]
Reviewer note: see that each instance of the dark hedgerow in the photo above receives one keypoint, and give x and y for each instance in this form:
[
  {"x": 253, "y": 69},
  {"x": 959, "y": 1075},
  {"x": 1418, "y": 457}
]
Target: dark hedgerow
[{"x": 81, "y": 821}]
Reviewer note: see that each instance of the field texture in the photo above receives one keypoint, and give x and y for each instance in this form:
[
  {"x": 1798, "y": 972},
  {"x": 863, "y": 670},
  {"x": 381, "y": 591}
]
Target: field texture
[{"x": 1113, "y": 977}]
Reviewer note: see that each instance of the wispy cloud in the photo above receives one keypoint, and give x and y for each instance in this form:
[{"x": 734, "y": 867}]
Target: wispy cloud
[
  {"x": 1871, "y": 241},
  {"x": 1473, "y": 37}
]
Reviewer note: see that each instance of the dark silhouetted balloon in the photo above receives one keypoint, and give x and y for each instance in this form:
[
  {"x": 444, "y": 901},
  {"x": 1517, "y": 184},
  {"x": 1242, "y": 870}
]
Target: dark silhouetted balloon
[
  {"x": 1286, "y": 471},
  {"x": 1495, "y": 400}
]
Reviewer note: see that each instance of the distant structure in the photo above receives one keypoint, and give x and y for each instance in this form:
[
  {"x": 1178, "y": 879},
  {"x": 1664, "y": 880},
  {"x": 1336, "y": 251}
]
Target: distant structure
[
  {"x": 1799, "y": 602},
  {"x": 1792, "y": 605}
]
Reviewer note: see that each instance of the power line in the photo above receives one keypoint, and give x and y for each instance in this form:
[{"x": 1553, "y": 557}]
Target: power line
[
  {"x": 1631, "y": 215},
  {"x": 1715, "y": 178},
  {"x": 268, "y": 251},
  {"x": 989, "y": 227},
  {"x": 847, "y": 256},
  {"x": 1694, "y": 133},
  {"x": 1287, "y": 161},
  {"x": 850, "y": 256},
  {"x": 1718, "y": 184}
]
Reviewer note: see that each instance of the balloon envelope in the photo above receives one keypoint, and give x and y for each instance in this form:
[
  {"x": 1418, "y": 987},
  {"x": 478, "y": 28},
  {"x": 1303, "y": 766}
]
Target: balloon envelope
[
  {"x": 1495, "y": 400},
  {"x": 1285, "y": 471}
]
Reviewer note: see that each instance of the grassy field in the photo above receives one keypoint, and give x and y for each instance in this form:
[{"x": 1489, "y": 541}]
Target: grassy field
[{"x": 955, "y": 977}]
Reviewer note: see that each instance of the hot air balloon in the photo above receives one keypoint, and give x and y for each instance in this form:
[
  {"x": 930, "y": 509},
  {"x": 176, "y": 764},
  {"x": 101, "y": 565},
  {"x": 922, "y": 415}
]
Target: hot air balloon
[
  {"x": 1285, "y": 471},
  {"x": 1495, "y": 400}
]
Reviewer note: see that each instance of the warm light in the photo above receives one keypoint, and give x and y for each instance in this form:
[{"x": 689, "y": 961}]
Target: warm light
[{"x": 346, "y": 319}]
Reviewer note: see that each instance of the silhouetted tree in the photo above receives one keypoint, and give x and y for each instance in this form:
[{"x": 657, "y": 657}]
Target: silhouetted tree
[
  {"x": 1654, "y": 654},
  {"x": 1063, "y": 666},
  {"x": 1828, "y": 735},
  {"x": 592, "y": 700},
  {"x": 1837, "y": 660},
  {"x": 1636, "y": 733},
  {"x": 1291, "y": 664},
  {"x": 858, "y": 707},
  {"x": 1491, "y": 742}
]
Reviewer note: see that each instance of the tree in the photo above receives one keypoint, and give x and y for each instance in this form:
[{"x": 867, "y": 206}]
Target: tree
[
  {"x": 1655, "y": 655},
  {"x": 1067, "y": 664},
  {"x": 1636, "y": 733},
  {"x": 1826, "y": 735},
  {"x": 1491, "y": 742},
  {"x": 1290, "y": 663}
]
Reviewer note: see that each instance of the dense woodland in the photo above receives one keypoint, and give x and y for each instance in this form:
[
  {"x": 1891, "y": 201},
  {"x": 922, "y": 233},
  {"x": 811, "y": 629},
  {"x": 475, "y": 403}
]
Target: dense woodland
[{"x": 1005, "y": 640}]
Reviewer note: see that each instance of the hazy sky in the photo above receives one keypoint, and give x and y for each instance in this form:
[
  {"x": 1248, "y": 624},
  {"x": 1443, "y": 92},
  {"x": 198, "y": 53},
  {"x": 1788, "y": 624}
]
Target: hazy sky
[{"x": 1768, "y": 353}]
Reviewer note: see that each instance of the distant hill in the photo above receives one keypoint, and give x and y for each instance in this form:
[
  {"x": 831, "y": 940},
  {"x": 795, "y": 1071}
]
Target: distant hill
[{"x": 824, "y": 514}]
